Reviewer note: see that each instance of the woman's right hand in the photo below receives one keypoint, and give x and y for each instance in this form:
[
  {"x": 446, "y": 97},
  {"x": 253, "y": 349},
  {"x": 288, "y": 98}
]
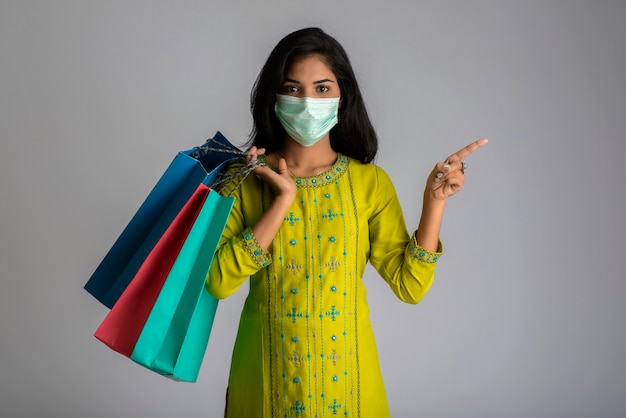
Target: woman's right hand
[
  {"x": 280, "y": 182},
  {"x": 284, "y": 189}
]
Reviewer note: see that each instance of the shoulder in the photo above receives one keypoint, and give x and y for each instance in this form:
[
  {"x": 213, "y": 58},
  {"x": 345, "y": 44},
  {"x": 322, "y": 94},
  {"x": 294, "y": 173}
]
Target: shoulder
[{"x": 368, "y": 173}]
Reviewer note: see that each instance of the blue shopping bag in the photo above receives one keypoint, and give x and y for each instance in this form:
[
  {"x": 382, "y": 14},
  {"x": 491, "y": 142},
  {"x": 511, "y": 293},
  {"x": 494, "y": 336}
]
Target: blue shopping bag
[{"x": 188, "y": 169}]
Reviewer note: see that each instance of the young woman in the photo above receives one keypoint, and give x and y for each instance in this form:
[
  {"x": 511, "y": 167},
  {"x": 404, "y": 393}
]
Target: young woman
[{"x": 302, "y": 230}]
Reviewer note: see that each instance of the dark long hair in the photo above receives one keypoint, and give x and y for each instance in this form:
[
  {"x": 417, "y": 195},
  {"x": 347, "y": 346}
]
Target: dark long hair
[{"x": 353, "y": 136}]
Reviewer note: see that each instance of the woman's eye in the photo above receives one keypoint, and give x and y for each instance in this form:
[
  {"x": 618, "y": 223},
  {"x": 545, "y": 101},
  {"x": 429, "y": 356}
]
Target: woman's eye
[
  {"x": 290, "y": 89},
  {"x": 322, "y": 89}
]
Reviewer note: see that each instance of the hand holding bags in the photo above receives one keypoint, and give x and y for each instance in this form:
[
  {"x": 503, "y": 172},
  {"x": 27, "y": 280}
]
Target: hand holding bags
[
  {"x": 163, "y": 316},
  {"x": 187, "y": 170}
]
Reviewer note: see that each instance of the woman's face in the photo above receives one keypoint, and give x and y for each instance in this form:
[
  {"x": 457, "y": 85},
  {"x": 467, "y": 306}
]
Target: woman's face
[{"x": 309, "y": 76}]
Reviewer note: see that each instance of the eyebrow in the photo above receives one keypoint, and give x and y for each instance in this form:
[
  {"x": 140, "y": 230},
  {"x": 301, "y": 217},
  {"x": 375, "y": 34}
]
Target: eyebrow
[{"x": 325, "y": 80}]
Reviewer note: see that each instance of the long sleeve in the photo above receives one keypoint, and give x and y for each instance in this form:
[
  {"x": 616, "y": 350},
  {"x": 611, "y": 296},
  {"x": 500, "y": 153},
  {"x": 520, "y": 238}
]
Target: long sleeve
[
  {"x": 239, "y": 255},
  {"x": 407, "y": 267}
]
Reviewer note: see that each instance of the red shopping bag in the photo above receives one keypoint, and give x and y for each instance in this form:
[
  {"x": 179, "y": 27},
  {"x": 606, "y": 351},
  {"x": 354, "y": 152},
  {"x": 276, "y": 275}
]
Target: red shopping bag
[{"x": 121, "y": 328}]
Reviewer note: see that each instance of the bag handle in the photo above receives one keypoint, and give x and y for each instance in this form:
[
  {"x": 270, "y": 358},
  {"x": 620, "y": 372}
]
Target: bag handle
[
  {"x": 216, "y": 145},
  {"x": 224, "y": 180}
]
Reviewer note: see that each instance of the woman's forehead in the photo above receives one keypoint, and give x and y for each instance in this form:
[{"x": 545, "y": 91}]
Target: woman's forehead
[{"x": 309, "y": 66}]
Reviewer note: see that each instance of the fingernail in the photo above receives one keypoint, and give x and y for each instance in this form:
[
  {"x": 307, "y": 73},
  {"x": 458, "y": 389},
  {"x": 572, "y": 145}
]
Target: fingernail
[{"x": 446, "y": 167}]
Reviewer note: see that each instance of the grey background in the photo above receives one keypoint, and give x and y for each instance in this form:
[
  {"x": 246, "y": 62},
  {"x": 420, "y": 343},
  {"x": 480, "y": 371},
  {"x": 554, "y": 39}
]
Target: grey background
[{"x": 526, "y": 318}]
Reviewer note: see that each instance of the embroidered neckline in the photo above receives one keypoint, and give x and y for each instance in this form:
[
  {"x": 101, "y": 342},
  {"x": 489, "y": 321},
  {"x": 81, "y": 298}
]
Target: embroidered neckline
[{"x": 329, "y": 176}]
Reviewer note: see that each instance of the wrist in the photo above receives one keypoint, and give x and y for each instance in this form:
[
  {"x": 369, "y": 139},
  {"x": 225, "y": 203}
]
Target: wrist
[
  {"x": 283, "y": 201},
  {"x": 433, "y": 203}
]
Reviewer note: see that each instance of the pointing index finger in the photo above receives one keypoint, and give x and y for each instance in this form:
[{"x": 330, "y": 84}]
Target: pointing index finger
[{"x": 467, "y": 150}]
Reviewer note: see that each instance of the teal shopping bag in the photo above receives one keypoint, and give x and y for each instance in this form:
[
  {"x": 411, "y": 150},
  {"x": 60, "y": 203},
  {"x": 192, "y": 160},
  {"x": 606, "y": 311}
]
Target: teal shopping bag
[{"x": 175, "y": 336}]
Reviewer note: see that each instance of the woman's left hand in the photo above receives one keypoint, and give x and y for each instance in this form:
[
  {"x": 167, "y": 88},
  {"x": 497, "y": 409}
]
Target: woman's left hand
[{"x": 448, "y": 177}]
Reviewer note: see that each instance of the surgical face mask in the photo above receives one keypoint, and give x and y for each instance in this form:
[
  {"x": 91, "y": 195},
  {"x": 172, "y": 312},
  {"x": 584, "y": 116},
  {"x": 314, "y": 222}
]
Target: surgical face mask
[{"x": 306, "y": 119}]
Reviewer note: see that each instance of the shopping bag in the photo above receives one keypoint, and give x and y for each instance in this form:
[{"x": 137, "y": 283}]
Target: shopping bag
[
  {"x": 175, "y": 336},
  {"x": 123, "y": 324},
  {"x": 188, "y": 169}
]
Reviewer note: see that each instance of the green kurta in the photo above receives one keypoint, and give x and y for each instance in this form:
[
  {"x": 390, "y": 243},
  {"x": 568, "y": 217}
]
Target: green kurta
[{"x": 305, "y": 346}]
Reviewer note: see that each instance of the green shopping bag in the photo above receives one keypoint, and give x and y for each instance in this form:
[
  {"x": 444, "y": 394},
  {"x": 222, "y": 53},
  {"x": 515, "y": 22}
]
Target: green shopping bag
[{"x": 175, "y": 336}]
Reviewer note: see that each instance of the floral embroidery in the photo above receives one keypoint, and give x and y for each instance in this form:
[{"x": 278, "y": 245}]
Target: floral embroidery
[
  {"x": 423, "y": 254},
  {"x": 329, "y": 176},
  {"x": 260, "y": 257}
]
